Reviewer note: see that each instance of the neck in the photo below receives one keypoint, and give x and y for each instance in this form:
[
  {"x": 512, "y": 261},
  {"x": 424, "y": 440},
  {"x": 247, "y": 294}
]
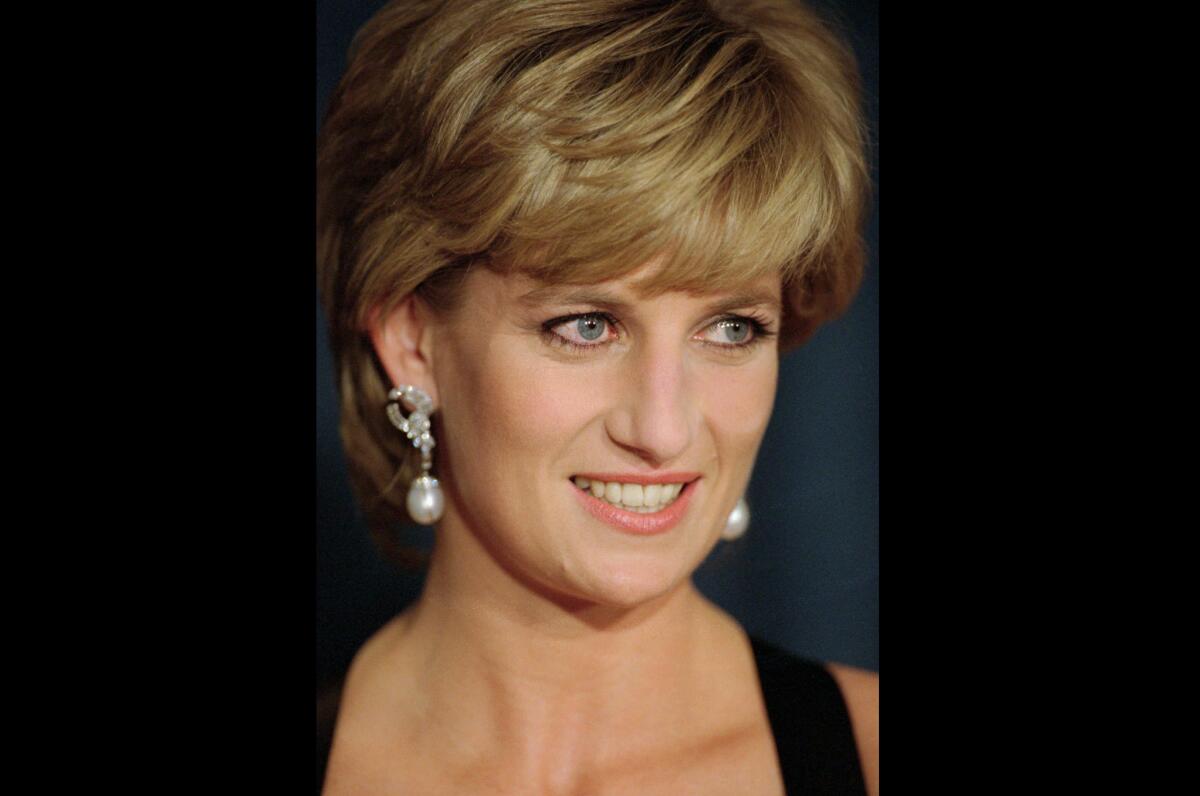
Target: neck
[{"x": 516, "y": 673}]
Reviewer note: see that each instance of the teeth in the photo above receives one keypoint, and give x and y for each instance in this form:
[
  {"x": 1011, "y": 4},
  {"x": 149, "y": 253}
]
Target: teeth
[{"x": 634, "y": 497}]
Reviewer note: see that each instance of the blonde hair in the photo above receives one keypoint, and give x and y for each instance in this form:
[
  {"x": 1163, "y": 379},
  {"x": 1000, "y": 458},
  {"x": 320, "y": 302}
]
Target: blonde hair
[{"x": 722, "y": 136}]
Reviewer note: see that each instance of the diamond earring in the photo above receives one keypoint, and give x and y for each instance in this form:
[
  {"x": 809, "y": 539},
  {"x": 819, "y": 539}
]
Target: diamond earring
[
  {"x": 738, "y": 522},
  {"x": 425, "y": 501}
]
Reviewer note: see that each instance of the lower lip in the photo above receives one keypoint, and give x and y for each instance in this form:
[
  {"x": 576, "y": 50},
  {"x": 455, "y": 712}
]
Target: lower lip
[{"x": 631, "y": 521}]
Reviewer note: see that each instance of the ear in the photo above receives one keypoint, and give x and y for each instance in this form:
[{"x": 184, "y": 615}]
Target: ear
[{"x": 403, "y": 339}]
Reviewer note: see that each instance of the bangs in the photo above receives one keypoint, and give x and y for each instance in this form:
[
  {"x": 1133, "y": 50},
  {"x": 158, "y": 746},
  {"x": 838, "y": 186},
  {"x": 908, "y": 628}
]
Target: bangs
[{"x": 681, "y": 140}]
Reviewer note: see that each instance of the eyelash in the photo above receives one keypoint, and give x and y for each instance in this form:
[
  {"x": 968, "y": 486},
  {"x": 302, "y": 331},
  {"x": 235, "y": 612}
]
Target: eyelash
[{"x": 758, "y": 326}]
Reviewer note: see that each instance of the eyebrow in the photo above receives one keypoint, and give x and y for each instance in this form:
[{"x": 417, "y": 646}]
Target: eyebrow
[
  {"x": 565, "y": 294},
  {"x": 750, "y": 298}
]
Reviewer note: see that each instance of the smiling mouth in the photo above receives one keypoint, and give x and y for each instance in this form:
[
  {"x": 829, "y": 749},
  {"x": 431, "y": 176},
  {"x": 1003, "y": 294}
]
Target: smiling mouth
[
  {"x": 663, "y": 505},
  {"x": 638, "y": 498}
]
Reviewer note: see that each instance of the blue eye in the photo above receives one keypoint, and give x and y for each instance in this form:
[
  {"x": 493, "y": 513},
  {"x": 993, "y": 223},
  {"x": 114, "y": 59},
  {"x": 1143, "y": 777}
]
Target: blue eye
[
  {"x": 590, "y": 327},
  {"x": 590, "y": 330},
  {"x": 736, "y": 332},
  {"x": 735, "y": 329}
]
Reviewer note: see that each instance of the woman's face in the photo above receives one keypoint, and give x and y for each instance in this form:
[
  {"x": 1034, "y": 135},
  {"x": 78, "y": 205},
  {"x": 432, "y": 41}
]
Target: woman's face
[{"x": 541, "y": 386}]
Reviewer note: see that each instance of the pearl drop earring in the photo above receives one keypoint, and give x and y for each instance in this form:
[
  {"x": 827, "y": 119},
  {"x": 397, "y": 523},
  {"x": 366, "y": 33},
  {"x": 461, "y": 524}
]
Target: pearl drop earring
[
  {"x": 425, "y": 500},
  {"x": 738, "y": 522}
]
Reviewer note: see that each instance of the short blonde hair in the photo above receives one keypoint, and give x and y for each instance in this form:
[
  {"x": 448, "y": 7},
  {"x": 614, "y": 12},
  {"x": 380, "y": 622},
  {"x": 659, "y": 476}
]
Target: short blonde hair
[{"x": 723, "y": 136}]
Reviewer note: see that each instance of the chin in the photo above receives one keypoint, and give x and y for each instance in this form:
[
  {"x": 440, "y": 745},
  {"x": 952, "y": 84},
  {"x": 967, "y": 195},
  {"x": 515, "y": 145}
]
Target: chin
[{"x": 629, "y": 580}]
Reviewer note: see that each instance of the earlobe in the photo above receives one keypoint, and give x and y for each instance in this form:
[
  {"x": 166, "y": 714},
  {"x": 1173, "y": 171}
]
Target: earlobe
[{"x": 403, "y": 340}]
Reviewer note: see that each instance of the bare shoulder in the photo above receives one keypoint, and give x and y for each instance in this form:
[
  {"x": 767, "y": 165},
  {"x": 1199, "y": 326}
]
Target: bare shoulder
[
  {"x": 358, "y": 758},
  {"x": 860, "y": 689},
  {"x": 372, "y": 657}
]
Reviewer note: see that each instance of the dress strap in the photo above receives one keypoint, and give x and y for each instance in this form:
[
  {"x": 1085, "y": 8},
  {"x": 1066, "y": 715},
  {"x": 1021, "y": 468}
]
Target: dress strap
[{"x": 810, "y": 722}]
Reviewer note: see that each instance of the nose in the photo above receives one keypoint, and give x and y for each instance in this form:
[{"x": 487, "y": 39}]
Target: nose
[{"x": 655, "y": 412}]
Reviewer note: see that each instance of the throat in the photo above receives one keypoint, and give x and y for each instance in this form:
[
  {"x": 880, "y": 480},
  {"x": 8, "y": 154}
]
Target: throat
[{"x": 549, "y": 694}]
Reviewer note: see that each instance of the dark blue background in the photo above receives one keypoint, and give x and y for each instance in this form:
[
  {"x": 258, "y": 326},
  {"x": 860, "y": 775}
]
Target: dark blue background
[{"x": 805, "y": 576}]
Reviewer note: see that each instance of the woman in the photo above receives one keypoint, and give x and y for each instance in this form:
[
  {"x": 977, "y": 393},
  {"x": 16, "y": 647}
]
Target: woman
[{"x": 561, "y": 246}]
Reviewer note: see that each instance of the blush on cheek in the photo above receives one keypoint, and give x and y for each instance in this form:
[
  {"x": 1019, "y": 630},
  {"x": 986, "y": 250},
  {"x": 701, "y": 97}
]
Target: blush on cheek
[
  {"x": 538, "y": 410},
  {"x": 742, "y": 405},
  {"x": 513, "y": 412}
]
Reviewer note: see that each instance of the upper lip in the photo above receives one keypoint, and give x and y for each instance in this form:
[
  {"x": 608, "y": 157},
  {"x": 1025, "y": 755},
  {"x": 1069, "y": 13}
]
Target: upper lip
[{"x": 641, "y": 478}]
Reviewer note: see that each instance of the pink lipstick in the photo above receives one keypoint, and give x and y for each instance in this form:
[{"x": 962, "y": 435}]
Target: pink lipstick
[{"x": 632, "y": 521}]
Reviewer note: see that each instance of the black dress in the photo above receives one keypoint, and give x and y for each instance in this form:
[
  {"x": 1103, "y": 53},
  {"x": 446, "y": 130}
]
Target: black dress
[
  {"x": 808, "y": 716},
  {"x": 810, "y": 723}
]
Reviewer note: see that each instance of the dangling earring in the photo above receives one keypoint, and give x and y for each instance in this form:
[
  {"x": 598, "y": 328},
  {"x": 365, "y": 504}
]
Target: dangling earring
[
  {"x": 738, "y": 522},
  {"x": 425, "y": 501}
]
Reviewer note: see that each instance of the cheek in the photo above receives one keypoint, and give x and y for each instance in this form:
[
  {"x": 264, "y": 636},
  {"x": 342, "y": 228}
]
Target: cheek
[
  {"x": 739, "y": 406},
  {"x": 513, "y": 415}
]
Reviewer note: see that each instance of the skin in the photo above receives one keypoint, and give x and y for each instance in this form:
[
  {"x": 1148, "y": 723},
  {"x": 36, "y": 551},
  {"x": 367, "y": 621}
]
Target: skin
[
  {"x": 550, "y": 652},
  {"x": 860, "y": 689}
]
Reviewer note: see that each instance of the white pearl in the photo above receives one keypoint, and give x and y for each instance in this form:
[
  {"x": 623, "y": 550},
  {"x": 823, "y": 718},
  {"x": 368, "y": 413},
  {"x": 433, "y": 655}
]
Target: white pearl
[
  {"x": 425, "y": 501},
  {"x": 738, "y": 522}
]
